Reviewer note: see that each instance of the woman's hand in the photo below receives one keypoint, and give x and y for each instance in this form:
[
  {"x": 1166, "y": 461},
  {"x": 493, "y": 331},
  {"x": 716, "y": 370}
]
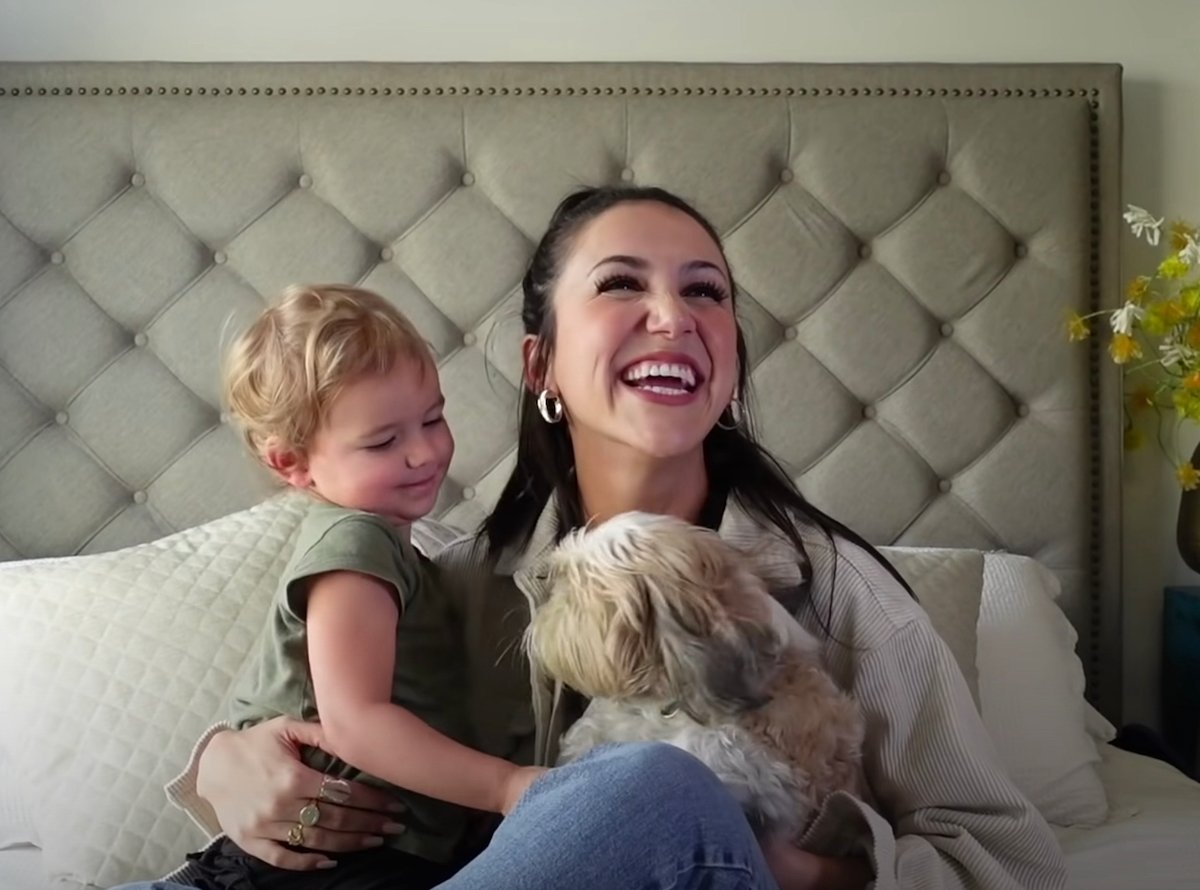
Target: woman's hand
[
  {"x": 257, "y": 786},
  {"x": 796, "y": 869}
]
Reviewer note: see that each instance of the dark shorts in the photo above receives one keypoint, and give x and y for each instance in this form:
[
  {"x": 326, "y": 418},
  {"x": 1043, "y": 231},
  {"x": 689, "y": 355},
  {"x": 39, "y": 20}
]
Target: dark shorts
[{"x": 225, "y": 866}]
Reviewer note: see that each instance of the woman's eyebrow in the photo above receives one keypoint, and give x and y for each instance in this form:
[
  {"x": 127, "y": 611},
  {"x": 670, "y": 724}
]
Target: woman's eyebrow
[
  {"x": 639, "y": 263},
  {"x": 693, "y": 265},
  {"x": 635, "y": 261}
]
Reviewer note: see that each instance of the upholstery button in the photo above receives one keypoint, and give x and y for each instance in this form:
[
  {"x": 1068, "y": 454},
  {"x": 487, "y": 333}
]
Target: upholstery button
[
  {"x": 56, "y": 258},
  {"x": 468, "y": 493},
  {"x": 627, "y": 175},
  {"x": 791, "y": 333},
  {"x": 1021, "y": 250},
  {"x": 61, "y": 418},
  {"x": 868, "y": 412},
  {"x": 468, "y": 339},
  {"x": 947, "y": 329},
  {"x": 139, "y": 497},
  {"x": 786, "y": 175},
  {"x": 219, "y": 258},
  {"x": 943, "y": 485},
  {"x": 386, "y": 254},
  {"x": 140, "y": 339},
  {"x": 137, "y": 180},
  {"x": 944, "y": 178},
  {"x": 1022, "y": 410},
  {"x": 864, "y": 251},
  {"x": 468, "y": 178},
  {"x": 305, "y": 181}
]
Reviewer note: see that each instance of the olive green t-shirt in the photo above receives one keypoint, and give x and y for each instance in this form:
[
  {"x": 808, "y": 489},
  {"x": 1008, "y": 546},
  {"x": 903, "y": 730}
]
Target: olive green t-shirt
[{"x": 429, "y": 675}]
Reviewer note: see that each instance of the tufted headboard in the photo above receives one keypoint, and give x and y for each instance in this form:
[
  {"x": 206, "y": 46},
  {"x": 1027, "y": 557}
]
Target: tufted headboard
[{"x": 908, "y": 240}]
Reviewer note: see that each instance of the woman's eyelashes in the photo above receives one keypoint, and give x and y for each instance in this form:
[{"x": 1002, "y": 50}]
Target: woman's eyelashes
[
  {"x": 619, "y": 283},
  {"x": 707, "y": 289},
  {"x": 628, "y": 284}
]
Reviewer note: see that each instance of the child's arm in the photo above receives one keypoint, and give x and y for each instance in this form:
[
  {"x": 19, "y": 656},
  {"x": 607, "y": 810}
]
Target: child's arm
[{"x": 351, "y": 620}]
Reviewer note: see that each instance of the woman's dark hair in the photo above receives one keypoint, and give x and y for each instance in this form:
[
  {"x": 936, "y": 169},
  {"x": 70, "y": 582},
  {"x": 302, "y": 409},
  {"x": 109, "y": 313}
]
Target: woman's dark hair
[{"x": 545, "y": 460}]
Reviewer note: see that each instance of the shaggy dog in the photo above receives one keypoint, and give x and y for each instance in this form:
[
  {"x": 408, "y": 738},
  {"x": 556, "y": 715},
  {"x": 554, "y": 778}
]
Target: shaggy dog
[{"x": 661, "y": 624}]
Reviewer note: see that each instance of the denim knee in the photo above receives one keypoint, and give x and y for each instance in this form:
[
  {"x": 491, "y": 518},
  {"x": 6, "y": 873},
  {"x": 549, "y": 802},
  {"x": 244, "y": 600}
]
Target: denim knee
[
  {"x": 653, "y": 766},
  {"x": 665, "y": 779}
]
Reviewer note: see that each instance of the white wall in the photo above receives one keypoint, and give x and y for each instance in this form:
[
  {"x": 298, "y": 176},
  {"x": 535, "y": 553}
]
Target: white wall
[{"x": 1156, "y": 41}]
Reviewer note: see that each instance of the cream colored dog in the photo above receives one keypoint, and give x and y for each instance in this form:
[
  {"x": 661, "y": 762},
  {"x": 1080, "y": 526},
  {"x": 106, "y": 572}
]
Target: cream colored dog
[{"x": 674, "y": 639}]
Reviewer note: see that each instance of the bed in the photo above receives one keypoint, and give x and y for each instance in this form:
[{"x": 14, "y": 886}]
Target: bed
[{"x": 908, "y": 240}]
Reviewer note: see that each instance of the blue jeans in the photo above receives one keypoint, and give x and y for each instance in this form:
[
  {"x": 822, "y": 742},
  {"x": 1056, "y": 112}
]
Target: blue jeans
[{"x": 625, "y": 817}]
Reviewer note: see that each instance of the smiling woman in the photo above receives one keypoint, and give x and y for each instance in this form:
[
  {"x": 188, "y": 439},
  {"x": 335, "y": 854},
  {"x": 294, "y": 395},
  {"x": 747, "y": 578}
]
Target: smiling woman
[{"x": 633, "y": 366}]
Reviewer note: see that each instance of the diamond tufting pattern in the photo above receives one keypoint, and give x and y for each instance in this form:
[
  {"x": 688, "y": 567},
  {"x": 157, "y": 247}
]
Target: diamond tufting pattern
[{"x": 906, "y": 239}]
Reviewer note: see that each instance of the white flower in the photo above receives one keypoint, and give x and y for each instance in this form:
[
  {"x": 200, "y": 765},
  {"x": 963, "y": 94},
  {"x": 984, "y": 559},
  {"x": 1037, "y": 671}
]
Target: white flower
[
  {"x": 1123, "y": 320},
  {"x": 1141, "y": 221},
  {"x": 1191, "y": 252},
  {"x": 1174, "y": 354}
]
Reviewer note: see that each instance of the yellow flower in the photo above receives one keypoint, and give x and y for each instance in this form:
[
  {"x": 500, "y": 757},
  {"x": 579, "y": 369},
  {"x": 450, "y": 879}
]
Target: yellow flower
[
  {"x": 1123, "y": 348},
  {"x": 1173, "y": 266},
  {"x": 1192, "y": 380},
  {"x": 1189, "y": 298},
  {"x": 1133, "y": 438},
  {"x": 1187, "y": 476},
  {"x": 1161, "y": 315},
  {"x": 1180, "y": 231},
  {"x": 1187, "y": 403},
  {"x": 1137, "y": 289},
  {"x": 1077, "y": 327},
  {"x": 1193, "y": 335}
]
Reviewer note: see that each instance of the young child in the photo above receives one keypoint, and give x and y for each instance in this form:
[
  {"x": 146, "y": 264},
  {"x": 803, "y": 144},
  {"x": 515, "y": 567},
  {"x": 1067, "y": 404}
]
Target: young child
[{"x": 337, "y": 394}]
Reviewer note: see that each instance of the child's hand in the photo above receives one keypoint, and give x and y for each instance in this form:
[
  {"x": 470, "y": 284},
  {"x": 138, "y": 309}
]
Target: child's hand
[{"x": 517, "y": 784}]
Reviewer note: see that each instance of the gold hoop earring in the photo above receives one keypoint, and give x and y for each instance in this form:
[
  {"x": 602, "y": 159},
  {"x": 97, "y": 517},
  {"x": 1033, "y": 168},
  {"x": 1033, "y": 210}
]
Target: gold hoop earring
[{"x": 549, "y": 406}]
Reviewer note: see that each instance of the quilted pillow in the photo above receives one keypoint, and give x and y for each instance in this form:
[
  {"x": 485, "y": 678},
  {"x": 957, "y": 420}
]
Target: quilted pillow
[{"x": 111, "y": 666}]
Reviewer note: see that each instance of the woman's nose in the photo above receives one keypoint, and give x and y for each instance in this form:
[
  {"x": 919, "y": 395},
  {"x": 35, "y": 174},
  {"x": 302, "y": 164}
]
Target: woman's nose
[{"x": 670, "y": 314}]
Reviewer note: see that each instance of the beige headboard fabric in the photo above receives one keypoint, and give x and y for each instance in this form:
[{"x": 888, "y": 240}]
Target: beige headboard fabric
[{"x": 908, "y": 240}]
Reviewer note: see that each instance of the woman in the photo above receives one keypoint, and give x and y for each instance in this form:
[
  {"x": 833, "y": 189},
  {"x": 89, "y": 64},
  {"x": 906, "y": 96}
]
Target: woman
[{"x": 636, "y": 379}]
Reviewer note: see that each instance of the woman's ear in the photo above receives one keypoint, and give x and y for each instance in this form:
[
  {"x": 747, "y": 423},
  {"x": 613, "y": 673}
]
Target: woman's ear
[
  {"x": 289, "y": 464},
  {"x": 535, "y": 365}
]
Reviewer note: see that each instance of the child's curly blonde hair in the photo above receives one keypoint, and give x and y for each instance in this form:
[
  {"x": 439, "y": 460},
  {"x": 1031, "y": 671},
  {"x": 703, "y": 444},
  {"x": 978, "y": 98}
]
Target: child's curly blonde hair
[{"x": 281, "y": 376}]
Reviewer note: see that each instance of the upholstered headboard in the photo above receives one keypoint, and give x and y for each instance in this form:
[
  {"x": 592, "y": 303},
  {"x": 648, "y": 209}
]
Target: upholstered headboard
[{"x": 908, "y": 240}]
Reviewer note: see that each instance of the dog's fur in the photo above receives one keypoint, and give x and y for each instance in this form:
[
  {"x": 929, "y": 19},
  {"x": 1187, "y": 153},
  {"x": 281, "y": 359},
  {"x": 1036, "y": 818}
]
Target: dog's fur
[{"x": 674, "y": 639}]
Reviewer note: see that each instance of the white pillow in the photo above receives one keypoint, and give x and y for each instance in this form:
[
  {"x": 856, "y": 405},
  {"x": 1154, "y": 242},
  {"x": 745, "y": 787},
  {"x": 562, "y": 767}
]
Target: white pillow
[
  {"x": 16, "y": 808},
  {"x": 112, "y": 665},
  {"x": 949, "y": 586},
  {"x": 1031, "y": 686}
]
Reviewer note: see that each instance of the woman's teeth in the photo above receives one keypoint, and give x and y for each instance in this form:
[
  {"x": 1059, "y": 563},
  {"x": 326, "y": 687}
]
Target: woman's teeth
[{"x": 661, "y": 377}]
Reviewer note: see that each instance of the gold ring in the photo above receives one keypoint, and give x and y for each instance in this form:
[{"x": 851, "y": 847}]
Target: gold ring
[
  {"x": 333, "y": 790},
  {"x": 310, "y": 815},
  {"x": 295, "y": 836}
]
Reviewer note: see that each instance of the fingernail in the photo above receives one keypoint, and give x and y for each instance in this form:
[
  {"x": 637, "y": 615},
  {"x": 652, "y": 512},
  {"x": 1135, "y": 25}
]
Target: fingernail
[
  {"x": 327, "y": 863},
  {"x": 396, "y": 808},
  {"x": 393, "y": 828},
  {"x": 373, "y": 842}
]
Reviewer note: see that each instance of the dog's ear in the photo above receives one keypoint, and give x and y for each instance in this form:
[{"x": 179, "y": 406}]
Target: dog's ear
[
  {"x": 718, "y": 645},
  {"x": 595, "y": 632}
]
